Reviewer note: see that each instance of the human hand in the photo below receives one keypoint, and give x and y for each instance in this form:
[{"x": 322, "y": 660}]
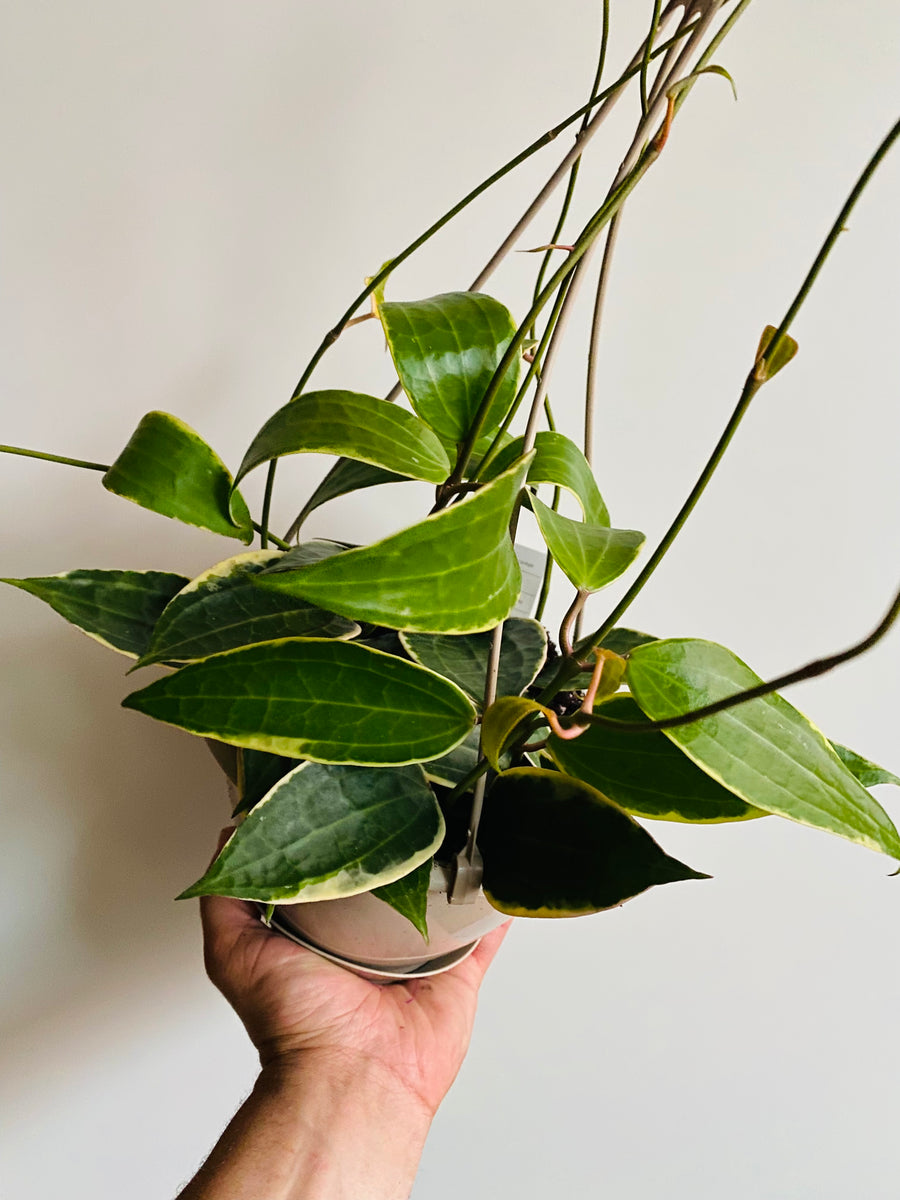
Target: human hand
[{"x": 297, "y": 1006}]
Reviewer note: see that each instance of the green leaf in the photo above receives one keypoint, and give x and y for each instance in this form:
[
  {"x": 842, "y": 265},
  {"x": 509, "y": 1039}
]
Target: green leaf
[
  {"x": 645, "y": 773},
  {"x": 325, "y": 832},
  {"x": 554, "y": 847},
  {"x": 359, "y": 427},
  {"x": 409, "y": 896},
  {"x": 715, "y": 69},
  {"x": 464, "y": 659},
  {"x": 501, "y": 721},
  {"x": 308, "y": 552},
  {"x": 689, "y": 80},
  {"x": 623, "y": 641},
  {"x": 591, "y": 555},
  {"x": 378, "y": 293},
  {"x": 116, "y": 608},
  {"x": 258, "y": 774},
  {"x": 866, "y": 772},
  {"x": 783, "y": 354},
  {"x": 558, "y": 461},
  {"x": 450, "y": 769},
  {"x": 763, "y": 750},
  {"x": 168, "y": 468},
  {"x": 221, "y": 609},
  {"x": 344, "y": 477},
  {"x": 454, "y": 572},
  {"x": 329, "y": 701},
  {"x": 446, "y": 349}
]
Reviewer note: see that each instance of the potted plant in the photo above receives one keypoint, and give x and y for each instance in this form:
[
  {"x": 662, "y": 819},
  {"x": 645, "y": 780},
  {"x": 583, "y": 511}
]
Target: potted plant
[{"x": 395, "y": 731}]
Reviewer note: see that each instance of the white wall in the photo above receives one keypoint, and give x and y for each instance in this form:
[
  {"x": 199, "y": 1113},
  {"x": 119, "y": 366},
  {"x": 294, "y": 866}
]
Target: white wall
[{"x": 192, "y": 191}]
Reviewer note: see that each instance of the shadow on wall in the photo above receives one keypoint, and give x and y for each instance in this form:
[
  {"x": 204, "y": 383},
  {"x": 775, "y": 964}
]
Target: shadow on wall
[{"x": 108, "y": 816}]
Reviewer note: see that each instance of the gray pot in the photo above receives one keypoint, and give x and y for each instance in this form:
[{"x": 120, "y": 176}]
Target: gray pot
[{"x": 370, "y": 937}]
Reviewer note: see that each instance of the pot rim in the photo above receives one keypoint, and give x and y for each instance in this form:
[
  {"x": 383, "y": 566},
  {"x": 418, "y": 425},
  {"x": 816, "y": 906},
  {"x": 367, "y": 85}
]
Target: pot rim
[{"x": 433, "y": 966}]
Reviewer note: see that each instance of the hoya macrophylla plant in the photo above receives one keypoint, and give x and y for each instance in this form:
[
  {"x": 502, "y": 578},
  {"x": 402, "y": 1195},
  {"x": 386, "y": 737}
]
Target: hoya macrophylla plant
[{"x": 388, "y": 705}]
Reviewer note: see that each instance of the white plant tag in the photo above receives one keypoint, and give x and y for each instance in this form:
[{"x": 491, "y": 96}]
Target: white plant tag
[{"x": 532, "y": 563}]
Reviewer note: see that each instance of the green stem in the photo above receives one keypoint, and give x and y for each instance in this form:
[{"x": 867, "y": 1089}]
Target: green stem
[
  {"x": 92, "y": 466},
  {"x": 267, "y": 505},
  {"x": 573, "y": 174},
  {"x": 548, "y": 561},
  {"x": 548, "y": 567},
  {"x": 548, "y": 413},
  {"x": 590, "y": 401},
  {"x": 279, "y": 542},
  {"x": 593, "y": 228},
  {"x": 753, "y": 383},
  {"x": 648, "y": 50},
  {"x": 751, "y": 387},
  {"x": 465, "y": 783},
  {"x": 715, "y": 42},
  {"x": 538, "y": 144},
  {"x": 533, "y": 369},
  {"x": 634, "y": 155},
  {"x": 834, "y": 233},
  {"x": 69, "y": 462},
  {"x": 610, "y": 97},
  {"x": 811, "y": 670}
]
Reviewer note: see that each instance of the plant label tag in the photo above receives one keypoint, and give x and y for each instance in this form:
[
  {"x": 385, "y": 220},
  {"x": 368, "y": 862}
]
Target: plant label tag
[{"x": 532, "y": 563}]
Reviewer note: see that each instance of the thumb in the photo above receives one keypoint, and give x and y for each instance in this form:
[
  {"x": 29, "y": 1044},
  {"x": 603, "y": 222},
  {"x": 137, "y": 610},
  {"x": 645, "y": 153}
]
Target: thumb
[{"x": 226, "y": 921}]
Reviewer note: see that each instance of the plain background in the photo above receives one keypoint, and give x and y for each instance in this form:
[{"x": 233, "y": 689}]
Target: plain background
[{"x": 192, "y": 192}]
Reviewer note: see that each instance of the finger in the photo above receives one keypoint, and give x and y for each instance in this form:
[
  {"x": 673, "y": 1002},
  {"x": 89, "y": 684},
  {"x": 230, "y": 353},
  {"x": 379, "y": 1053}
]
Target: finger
[
  {"x": 476, "y": 965},
  {"x": 486, "y": 950},
  {"x": 224, "y": 919}
]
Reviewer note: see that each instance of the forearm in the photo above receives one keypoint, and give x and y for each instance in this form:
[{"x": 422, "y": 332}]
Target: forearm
[{"x": 314, "y": 1131}]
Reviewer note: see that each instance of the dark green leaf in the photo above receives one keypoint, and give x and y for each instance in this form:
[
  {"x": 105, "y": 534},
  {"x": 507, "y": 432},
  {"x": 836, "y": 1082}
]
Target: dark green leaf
[
  {"x": 446, "y": 349},
  {"x": 325, "y": 832},
  {"x": 359, "y": 427},
  {"x": 221, "y": 609},
  {"x": 464, "y": 659},
  {"x": 409, "y": 896},
  {"x": 554, "y": 847},
  {"x": 116, "y": 608},
  {"x": 258, "y": 774},
  {"x": 451, "y": 768},
  {"x": 558, "y": 461},
  {"x": 868, "y": 773},
  {"x": 591, "y": 555},
  {"x": 454, "y": 572},
  {"x": 344, "y": 477},
  {"x": 645, "y": 773},
  {"x": 763, "y": 750},
  {"x": 623, "y": 641},
  {"x": 169, "y": 469},
  {"x": 308, "y": 552},
  {"x": 329, "y": 701}
]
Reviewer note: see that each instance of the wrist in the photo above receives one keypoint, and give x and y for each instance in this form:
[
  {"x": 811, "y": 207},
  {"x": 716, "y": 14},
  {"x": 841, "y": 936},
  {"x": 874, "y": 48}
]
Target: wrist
[
  {"x": 343, "y": 1076},
  {"x": 354, "y": 1129}
]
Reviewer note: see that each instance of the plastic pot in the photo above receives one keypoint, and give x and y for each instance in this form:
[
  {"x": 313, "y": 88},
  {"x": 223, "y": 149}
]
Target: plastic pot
[{"x": 370, "y": 937}]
